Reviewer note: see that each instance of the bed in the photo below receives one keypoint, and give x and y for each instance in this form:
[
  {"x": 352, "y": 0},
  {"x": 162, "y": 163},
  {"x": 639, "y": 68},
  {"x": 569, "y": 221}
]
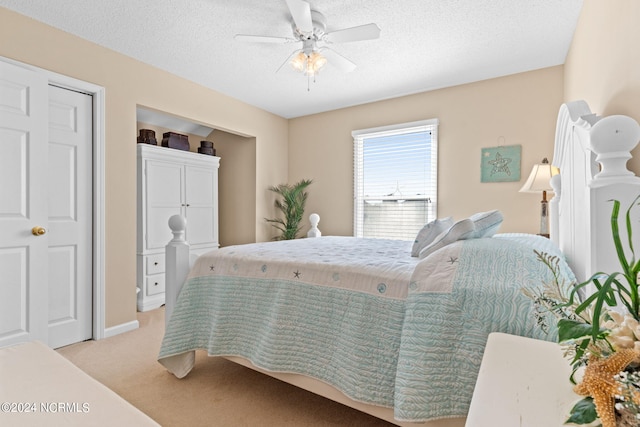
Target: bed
[{"x": 404, "y": 341}]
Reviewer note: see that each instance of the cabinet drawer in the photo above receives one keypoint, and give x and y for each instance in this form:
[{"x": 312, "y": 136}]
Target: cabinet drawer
[
  {"x": 155, "y": 264},
  {"x": 155, "y": 284}
]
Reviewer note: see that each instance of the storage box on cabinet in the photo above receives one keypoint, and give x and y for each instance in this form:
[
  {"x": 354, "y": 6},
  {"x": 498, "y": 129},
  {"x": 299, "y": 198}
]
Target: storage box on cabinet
[{"x": 172, "y": 182}]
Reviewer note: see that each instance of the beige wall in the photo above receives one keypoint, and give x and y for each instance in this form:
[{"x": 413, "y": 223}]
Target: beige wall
[
  {"x": 603, "y": 65},
  {"x": 129, "y": 83},
  {"x": 237, "y": 190},
  {"x": 515, "y": 110}
]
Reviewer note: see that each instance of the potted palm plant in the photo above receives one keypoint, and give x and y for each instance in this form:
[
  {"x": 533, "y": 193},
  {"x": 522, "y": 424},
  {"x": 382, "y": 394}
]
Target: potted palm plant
[{"x": 291, "y": 203}]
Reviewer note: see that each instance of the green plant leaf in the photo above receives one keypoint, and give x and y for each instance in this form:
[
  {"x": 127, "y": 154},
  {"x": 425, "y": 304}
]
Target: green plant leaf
[
  {"x": 630, "y": 267},
  {"x": 583, "y": 412},
  {"x": 571, "y": 330},
  {"x": 615, "y": 232}
]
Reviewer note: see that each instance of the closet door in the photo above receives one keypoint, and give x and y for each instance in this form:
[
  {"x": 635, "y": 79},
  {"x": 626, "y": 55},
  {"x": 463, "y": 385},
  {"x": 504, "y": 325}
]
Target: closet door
[
  {"x": 45, "y": 210},
  {"x": 69, "y": 208},
  {"x": 23, "y": 205}
]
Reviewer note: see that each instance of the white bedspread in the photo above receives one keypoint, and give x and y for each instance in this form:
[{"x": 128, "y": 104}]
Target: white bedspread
[{"x": 375, "y": 266}]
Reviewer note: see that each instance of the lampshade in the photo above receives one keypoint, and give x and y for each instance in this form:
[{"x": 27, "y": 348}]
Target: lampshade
[
  {"x": 298, "y": 62},
  {"x": 540, "y": 178}
]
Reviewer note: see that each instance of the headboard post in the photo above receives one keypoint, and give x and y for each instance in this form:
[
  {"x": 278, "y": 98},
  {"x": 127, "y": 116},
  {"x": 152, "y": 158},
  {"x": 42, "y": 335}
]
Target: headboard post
[
  {"x": 591, "y": 153},
  {"x": 176, "y": 264}
]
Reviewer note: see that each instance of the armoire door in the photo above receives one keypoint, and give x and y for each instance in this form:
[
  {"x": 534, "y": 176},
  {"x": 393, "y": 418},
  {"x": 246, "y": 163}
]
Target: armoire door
[
  {"x": 164, "y": 199},
  {"x": 45, "y": 210},
  {"x": 200, "y": 213}
]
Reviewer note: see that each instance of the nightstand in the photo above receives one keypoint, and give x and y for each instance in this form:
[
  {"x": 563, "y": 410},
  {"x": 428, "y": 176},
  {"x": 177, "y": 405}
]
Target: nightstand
[{"x": 522, "y": 382}]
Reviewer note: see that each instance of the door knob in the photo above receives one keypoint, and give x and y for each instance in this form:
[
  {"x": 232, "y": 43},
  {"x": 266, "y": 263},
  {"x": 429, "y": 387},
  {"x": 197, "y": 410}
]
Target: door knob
[{"x": 38, "y": 231}]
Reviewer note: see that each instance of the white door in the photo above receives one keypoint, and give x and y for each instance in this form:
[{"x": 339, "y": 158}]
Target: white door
[
  {"x": 23, "y": 205},
  {"x": 69, "y": 183},
  {"x": 45, "y": 210}
]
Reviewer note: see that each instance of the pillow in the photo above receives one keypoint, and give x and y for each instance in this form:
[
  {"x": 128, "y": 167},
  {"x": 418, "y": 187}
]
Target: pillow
[
  {"x": 461, "y": 230},
  {"x": 429, "y": 232},
  {"x": 486, "y": 223}
]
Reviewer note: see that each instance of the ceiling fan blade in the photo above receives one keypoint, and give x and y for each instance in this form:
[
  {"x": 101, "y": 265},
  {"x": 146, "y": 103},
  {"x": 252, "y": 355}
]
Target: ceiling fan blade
[
  {"x": 301, "y": 14},
  {"x": 263, "y": 39},
  {"x": 337, "y": 60},
  {"x": 353, "y": 34}
]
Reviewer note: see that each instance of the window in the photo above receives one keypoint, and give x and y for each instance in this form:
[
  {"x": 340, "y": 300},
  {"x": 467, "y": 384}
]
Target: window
[{"x": 395, "y": 179}]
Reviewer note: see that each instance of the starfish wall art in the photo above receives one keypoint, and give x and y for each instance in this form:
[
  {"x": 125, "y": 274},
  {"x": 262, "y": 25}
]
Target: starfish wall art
[{"x": 501, "y": 164}]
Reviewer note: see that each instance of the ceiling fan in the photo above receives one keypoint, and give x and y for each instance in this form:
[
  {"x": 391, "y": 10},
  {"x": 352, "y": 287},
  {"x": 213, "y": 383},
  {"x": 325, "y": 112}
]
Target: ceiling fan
[{"x": 309, "y": 28}]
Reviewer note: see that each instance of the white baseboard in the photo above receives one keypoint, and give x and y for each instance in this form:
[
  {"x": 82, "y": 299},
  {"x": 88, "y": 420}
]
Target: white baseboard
[{"x": 121, "y": 328}]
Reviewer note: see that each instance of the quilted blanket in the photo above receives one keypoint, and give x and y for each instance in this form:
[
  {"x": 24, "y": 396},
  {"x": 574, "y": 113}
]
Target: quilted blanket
[{"x": 363, "y": 315}]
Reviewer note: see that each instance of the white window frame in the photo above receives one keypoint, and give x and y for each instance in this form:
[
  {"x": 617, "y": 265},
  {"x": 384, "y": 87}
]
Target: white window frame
[{"x": 358, "y": 184}]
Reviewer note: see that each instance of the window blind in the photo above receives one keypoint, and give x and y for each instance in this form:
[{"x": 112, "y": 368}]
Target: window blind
[{"x": 395, "y": 179}]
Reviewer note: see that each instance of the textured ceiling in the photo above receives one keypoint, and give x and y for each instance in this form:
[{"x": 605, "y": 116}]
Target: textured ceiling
[{"x": 423, "y": 45}]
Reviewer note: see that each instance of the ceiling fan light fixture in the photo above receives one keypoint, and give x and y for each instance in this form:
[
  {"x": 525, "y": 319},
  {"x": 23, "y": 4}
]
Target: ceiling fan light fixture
[{"x": 309, "y": 64}]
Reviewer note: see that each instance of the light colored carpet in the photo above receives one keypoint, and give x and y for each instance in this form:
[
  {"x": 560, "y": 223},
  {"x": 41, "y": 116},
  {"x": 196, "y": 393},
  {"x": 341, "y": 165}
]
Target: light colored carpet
[{"x": 216, "y": 393}]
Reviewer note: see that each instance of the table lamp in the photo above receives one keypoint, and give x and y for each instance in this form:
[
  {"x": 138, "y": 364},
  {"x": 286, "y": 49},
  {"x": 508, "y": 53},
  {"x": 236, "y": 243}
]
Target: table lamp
[{"x": 539, "y": 181}]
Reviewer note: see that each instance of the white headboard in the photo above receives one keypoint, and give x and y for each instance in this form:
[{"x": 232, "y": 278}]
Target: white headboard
[{"x": 591, "y": 153}]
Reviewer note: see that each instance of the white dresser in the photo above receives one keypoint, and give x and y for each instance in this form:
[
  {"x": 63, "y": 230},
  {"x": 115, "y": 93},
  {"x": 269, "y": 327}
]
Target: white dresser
[{"x": 172, "y": 182}]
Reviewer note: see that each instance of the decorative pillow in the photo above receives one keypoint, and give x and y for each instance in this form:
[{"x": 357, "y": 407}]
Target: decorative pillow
[
  {"x": 429, "y": 232},
  {"x": 486, "y": 223},
  {"x": 461, "y": 230}
]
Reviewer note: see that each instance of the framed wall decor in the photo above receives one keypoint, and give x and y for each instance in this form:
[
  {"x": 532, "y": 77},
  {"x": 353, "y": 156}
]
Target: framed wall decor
[{"x": 500, "y": 164}]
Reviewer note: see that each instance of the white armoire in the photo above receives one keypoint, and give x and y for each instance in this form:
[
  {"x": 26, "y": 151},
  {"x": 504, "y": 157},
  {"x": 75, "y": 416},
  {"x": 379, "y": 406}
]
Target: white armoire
[{"x": 172, "y": 182}]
